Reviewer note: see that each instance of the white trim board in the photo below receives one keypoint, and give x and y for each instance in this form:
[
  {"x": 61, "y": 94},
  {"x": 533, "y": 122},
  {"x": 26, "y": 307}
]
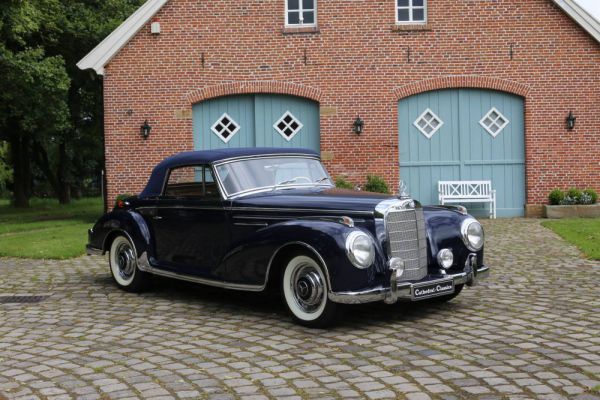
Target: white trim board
[
  {"x": 113, "y": 43},
  {"x": 581, "y": 16}
]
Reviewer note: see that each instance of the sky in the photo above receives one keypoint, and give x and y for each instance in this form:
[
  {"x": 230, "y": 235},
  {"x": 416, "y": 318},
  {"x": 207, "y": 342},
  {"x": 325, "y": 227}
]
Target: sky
[{"x": 592, "y": 6}]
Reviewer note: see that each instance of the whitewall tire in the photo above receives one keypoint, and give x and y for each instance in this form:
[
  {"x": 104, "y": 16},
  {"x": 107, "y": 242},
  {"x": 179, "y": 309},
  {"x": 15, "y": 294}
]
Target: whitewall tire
[
  {"x": 304, "y": 290},
  {"x": 123, "y": 265}
]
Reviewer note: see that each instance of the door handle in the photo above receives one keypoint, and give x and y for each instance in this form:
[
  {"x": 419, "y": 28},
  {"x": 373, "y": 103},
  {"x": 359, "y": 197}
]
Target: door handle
[{"x": 157, "y": 217}]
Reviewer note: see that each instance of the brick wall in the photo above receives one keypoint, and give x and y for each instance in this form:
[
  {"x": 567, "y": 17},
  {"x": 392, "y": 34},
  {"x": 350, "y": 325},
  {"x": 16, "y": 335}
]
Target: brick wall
[{"x": 358, "y": 62}]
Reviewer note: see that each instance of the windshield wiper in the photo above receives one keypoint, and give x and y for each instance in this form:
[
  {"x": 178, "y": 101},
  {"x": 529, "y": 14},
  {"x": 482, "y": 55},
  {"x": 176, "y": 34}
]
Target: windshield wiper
[
  {"x": 322, "y": 179},
  {"x": 286, "y": 182}
]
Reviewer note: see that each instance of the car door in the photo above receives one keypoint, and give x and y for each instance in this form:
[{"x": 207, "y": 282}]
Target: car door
[{"x": 191, "y": 224}]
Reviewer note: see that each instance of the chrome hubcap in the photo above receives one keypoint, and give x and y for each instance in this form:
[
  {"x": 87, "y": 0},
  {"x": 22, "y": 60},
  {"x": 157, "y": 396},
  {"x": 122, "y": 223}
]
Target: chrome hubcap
[
  {"x": 308, "y": 288},
  {"x": 125, "y": 261}
]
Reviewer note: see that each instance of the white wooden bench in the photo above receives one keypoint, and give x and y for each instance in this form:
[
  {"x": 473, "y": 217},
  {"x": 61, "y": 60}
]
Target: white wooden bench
[{"x": 468, "y": 192}]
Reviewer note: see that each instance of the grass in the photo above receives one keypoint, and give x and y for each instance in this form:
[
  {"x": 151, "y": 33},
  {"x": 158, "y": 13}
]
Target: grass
[
  {"x": 47, "y": 230},
  {"x": 582, "y": 232}
]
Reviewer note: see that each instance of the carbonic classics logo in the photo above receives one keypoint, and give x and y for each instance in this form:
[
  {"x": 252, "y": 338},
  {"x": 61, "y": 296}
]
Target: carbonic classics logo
[{"x": 433, "y": 290}]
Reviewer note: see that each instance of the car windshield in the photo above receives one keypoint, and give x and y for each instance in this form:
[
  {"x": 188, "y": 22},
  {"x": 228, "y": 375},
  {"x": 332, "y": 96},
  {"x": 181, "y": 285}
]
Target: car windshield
[{"x": 265, "y": 173}]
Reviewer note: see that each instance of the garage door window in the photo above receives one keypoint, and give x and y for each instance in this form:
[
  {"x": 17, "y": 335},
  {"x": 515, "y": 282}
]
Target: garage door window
[
  {"x": 494, "y": 122},
  {"x": 288, "y": 126},
  {"x": 225, "y": 128}
]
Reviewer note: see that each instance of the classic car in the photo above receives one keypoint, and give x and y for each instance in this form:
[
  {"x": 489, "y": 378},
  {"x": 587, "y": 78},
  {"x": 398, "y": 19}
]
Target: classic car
[{"x": 253, "y": 219}]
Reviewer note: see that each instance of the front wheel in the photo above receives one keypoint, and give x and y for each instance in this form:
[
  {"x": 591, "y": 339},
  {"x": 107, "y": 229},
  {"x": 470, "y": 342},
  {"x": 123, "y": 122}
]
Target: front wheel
[
  {"x": 305, "y": 288},
  {"x": 124, "y": 267}
]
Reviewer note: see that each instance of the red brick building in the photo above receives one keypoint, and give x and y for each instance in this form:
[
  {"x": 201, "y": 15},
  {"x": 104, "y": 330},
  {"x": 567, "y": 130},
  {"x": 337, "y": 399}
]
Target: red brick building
[{"x": 446, "y": 89}]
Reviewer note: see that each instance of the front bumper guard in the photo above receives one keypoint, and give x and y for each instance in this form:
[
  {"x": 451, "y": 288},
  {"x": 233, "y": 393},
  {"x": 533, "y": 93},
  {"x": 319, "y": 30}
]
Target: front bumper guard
[{"x": 404, "y": 290}]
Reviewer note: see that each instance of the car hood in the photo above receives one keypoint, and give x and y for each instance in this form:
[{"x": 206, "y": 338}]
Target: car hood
[{"x": 326, "y": 199}]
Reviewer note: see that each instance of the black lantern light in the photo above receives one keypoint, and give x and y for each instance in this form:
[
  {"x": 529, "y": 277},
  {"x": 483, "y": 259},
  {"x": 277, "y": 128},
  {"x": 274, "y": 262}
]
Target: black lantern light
[
  {"x": 571, "y": 121},
  {"x": 358, "y": 125},
  {"x": 145, "y": 130}
]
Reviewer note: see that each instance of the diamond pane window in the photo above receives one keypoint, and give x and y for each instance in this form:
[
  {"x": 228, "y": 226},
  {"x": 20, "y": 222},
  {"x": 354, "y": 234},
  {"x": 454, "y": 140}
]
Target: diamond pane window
[
  {"x": 288, "y": 126},
  {"x": 225, "y": 128},
  {"x": 494, "y": 122},
  {"x": 428, "y": 123}
]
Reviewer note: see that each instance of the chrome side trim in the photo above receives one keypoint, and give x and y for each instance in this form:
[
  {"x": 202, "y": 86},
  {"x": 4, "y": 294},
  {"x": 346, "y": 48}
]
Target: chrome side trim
[
  {"x": 93, "y": 251},
  {"x": 403, "y": 290},
  {"x": 144, "y": 265},
  {"x": 315, "y": 210}
]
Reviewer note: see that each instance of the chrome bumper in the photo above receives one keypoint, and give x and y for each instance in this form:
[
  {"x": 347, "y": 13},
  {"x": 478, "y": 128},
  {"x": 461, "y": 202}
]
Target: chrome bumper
[{"x": 404, "y": 290}]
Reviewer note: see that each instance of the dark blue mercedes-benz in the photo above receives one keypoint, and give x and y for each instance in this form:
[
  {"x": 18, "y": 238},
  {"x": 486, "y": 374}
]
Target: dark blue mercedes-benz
[{"x": 249, "y": 219}]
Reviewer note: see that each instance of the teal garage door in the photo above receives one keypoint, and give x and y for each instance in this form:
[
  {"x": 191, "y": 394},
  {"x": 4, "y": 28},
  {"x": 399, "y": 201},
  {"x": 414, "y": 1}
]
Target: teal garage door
[
  {"x": 260, "y": 120},
  {"x": 464, "y": 134}
]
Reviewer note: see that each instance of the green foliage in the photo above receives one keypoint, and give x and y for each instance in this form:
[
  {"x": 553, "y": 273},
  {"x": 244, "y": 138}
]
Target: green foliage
[
  {"x": 342, "y": 183},
  {"x": 556, "y": 197},
  {"x": 590, "y": 195},
  {"x": 582, "y": 232},
  {"x": 121, "y": 197},
  {"x": 48, "y": 107},
  {"x": 376, "y": 184},
  {"x": 572, "y": 196},
  {"x": 5, "y": 170},
  {"x": 47, "y": 229}
]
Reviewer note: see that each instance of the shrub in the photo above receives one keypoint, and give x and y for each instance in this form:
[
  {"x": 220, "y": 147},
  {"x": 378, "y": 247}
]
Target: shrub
[
  {"x": 556, "y": 197},
  {"x": 342, "y": 183},
  {"x": 589, "y": 196},
  {"x": 572, "y": 196},
  {"x": 376, "y": 184}
]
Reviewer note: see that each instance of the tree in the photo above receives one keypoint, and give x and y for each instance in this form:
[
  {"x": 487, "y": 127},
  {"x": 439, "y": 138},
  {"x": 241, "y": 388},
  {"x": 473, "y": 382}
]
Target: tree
[
  {"x": 51, "y": 112},
  {"x": 5, "y": 170}
]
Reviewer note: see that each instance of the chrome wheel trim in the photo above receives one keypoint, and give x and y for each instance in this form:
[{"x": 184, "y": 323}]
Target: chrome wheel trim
[
  {"x": 305, "y": 288},
  {"x": 123, "y": 262}
]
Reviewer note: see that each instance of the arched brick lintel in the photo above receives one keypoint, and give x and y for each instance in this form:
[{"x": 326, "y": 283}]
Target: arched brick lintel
[
  {"x": 461, "y": 81},
  {"x": 249, "y": 87}
]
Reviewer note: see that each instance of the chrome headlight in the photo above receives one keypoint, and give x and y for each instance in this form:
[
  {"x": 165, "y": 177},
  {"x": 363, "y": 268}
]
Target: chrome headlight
[
  {"x": 445, "y": 258},
  {"x": 360, "y": 249},
  {"x": 472, "y": 234}
]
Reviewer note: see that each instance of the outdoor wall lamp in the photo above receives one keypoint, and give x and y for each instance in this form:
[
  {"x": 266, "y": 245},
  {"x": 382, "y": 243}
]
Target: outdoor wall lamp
[
  {"x": 145, "y": 130},
  {"x": 571, "y": 121},
  {"x": 358, "y": 125}
]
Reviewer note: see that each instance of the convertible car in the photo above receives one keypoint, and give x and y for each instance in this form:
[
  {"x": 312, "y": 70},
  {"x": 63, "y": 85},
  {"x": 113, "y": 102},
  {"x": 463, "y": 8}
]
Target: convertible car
[{"x": 252, "y": 219}]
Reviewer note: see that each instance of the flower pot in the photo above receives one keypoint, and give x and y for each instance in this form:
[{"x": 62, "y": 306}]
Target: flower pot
[{"x": 572, "y": 211}]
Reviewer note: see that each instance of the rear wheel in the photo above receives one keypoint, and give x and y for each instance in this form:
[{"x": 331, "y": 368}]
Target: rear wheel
[
  {"x": 304, "y": 290},
  {"x": 124, "y": 267}
]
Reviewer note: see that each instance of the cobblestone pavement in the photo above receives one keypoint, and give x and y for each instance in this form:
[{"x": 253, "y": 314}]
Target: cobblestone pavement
[{"x": 531, "y": 331}]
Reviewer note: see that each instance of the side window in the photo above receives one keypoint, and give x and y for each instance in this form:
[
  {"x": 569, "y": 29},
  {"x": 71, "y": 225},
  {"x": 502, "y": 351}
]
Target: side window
[
  {"x": 411, "y": 11},
  {"x": 191, "y": 182},
  {"x": 300, "y": 13}
]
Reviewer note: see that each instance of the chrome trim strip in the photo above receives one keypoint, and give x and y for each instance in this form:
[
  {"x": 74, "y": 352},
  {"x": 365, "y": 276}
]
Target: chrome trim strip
[
  {"x": 261, "y": 224},
  {"x": 343, "y": 212},
  {"x": 93, "y": 251},
  {"x": 144, "y": 265},
  {"x": 403, "y": 290}
]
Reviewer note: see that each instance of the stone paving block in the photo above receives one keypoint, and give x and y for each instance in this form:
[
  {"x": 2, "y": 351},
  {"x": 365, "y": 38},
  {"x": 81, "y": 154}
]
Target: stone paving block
[{"x": 508, "y": 338}]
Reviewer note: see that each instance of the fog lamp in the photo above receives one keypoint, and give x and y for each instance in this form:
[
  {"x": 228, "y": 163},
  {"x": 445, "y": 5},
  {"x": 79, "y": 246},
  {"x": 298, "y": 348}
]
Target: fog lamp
[{"x": 445, "y": 258}]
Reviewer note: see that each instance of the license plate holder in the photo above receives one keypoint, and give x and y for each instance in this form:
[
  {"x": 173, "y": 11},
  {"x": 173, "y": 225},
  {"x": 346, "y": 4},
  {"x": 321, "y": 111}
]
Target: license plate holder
[{"x": 428, "y": 290}]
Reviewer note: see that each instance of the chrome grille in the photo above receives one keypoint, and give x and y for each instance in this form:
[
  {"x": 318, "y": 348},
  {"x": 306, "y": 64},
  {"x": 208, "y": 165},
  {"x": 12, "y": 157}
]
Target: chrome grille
[{"x": 406, "y": 238}]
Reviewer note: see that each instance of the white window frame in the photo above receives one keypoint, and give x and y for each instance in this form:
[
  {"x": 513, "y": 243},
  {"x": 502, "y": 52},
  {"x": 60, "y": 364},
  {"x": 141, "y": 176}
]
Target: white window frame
[
  {"x": 285, "y": 114},
  {"x": 500, "y": 127},
  {"x": 422, "y": 130},
  {"x": 213, "y": 128},
  {"x": 410, "y": 8},
  {"x": 301, "y": 11}
]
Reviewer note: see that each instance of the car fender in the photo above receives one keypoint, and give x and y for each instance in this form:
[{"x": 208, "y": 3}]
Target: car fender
[
  {"x": 127, "y": 222},
  {"x": 257, "y": 258}
]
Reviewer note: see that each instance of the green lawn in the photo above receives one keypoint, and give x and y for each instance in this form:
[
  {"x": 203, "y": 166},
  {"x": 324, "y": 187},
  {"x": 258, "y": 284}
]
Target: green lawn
[
  {"x": 47, "y": 229},
  {"x": 582, "y": 232}
]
